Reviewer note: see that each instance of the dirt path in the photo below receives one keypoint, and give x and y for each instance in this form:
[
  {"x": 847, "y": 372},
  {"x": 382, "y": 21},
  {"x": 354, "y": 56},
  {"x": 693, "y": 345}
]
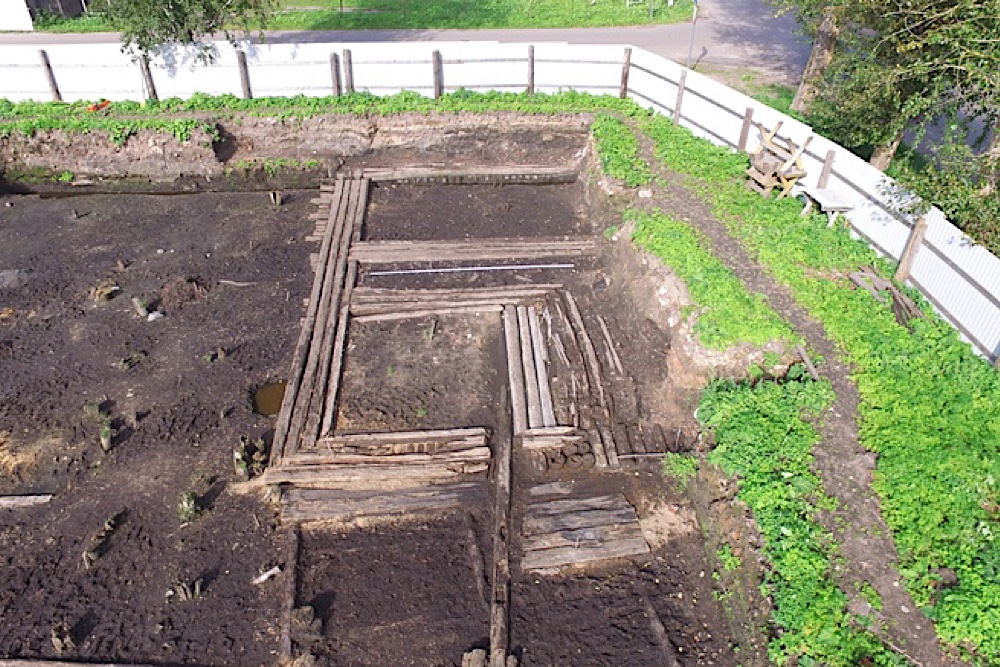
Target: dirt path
[{"x": 845, "y": 467}]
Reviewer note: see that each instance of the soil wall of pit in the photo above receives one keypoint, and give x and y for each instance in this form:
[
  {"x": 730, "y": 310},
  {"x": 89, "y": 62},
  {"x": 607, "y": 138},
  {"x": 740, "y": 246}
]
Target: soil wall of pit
[{"x": 451, "y": 140}]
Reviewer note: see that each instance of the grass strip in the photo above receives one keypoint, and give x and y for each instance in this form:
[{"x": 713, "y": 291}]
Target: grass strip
[
  {"x": 764, "y": 438},
  {"x": 727, "y": 314},
  {"x": 930, "y": 407},
  {"x": 618, "y": 149}
]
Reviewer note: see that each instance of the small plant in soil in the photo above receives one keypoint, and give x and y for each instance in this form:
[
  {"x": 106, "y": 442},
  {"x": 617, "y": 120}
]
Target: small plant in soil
[
  {"x": 98, "y": 544},
  {"x": 141, "y": 307},
  {"x": 105, "y": 291},
  {"x": 131, "y": 361},
  {"x": 249, "y": 458},
  {"x": 105, "y": 435},
  {"x": 431, "y": 331},
  {"x": 62, "y": 639},
  {"x": 681, "y": 467},
  {"x": 421, "y": 412},
  {"x": 188, "y": 509},
  {"x": 184, "y": 591},
  {"x": 218, "y": 354},
  {"x": 730, "y": 561}
]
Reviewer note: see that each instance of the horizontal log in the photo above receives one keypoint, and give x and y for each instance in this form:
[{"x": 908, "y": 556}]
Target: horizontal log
[
  {"x": 374, "y": 475},
  {"x": 318, "y": 504},
  {"x": 595, "y": 536},
  {"x": 392, "y": 252},
  {"x": 551, "y": 489},
  {"x": 564, "y": 505},
  {"x": 410, "y": 314},
  {"x": 384, "y": 295},
  {"x": 536, "y": 525},
  {"x": 407, "y": 308},
  {"x": 62, "y": 663},
  {"x": 11, "y": 502},
  {"x": 550, "y": 441},
  {"x": 473, "y": 455},
  {"x": 392, "y": 449},
  {"x": 430, "y": 435},
  {"x": 503, "y": 174},
  {"x": 553, "y": 558},
  {"x": 550, "y": 431}
]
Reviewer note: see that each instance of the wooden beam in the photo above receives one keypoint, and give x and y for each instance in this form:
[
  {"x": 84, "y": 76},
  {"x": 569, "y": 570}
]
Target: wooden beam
[
  {"x": 745, "y": 130},
  {"x": 680, "y": 97},
  {"x": 335, "y": 74},
  {"x": 241, "y": 62},
  {"x": 515, "y": 371},
  {"x": 401, "y": 252},
  {"x": 50, "y": 76},
  {"x": 530, "y": 376},
  {"x": 12, "y": 502},
  {"x": 147, "y": 79},
  {"x": 626, "y": 66},
  {"x": 538, "y": 525},
  {"x": 824, "y": 175},
  {"x": 438, "y": 68},
  {"x": 348, "y": 72},
  {"x": 531, "y": 70},
  {"x": 580, "y": 537},
  {"x": 326, "y": 504},
  {"x": 913, "y": 245},
  {"x": 538, "y": 350},
  {"x": 500, "y": 597},
  {"x": 444, "y": 310},
  {"x": 568, "y": 505},
  {"x": 571, "y": 555}
]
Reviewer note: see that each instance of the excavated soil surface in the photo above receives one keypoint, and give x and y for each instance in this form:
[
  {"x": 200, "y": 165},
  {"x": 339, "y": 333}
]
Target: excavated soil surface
[{"x": 229, "y": 274}]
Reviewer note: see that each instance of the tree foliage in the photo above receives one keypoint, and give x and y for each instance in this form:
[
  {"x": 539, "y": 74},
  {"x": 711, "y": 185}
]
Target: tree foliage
[{"x": 148, "y": 25}]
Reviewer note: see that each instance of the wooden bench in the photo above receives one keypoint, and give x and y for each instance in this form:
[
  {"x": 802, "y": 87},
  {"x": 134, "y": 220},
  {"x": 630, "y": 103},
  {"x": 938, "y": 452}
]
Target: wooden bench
[{"x": 829, "y": 202}]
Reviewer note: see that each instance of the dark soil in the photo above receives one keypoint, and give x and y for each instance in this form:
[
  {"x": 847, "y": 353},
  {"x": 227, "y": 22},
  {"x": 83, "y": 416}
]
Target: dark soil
[
  {"x": 422, "y": 373},
  {"x": 422, "y": 212},
  {"x": 177, "y": 417}
]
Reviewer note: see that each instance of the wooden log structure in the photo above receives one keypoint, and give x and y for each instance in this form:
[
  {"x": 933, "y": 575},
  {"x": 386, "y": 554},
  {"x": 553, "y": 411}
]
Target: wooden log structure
[
  {"x": 373, "y": 476},
  {"x": 515, "y": 371},
  {"x": 476, "y": 175},
  {"x": 531, "y": 392},
  {"x": 539, "y": 353},
  {"x": 299, "y": 504},
  {"x": 402, "y": 252}
]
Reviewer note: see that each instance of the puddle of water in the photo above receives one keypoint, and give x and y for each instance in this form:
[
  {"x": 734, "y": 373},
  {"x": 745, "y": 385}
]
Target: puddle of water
[{"x": 267, "y": 399}]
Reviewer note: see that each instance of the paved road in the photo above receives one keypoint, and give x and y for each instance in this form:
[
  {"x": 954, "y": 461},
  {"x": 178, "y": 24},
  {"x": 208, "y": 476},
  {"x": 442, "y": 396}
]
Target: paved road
[{"x": 728, "y": 32}]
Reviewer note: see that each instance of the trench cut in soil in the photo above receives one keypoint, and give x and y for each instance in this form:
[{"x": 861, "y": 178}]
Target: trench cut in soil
[{"x": 337, "y": 456}]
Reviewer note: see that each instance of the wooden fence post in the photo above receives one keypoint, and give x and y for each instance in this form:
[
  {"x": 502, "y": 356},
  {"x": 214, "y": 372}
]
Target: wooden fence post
[
  {"x": 348, "y": 72},
  {"x": 912, "y": 247},
  {"x": 680, "y": 97},
  {"x": 49, "y": 76},
  {"x": 241, "y": 61},
  {"x": 626, "y": 66},
  {"x": 745, "y": 130},
  {"x": 824, "y": 175},
  {"x": 147, "y": 79},
  {"x": 335, "y": 73},
  {"x": 531, "y": 70},
  {"x": 438, "y": 74}
]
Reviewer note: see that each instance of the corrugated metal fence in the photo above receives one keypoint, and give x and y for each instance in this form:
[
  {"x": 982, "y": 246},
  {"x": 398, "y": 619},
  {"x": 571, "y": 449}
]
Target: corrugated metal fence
[{"x": 961, "y": 279}]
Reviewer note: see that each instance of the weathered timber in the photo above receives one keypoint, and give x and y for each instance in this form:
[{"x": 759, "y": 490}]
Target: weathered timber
[
  {"x": 615, "y": 359},
  {"x": 538, "y": 349},
  {"x": 336, "y": 369},
  {"x": 500, "y": 594},
  {"x": 471, "y": 455},
  {"x": 320, "y": 420},
  {"x": 551, "y": 430},
  {"x": 402, "y": 308},
  {"x": 376, "y": 475},
  {"x": 667, "y": 648},
  {"x": 375, "y": 295},
  {"x": 310, "y": 402},
  {"x": 289, "y": 593},
  {"x": 530, "y": 376},
  {"x": 317, "y": 456},
  {"x": 515, "y": 371},
  {"x": 433, "y": 435},
  {"x": 560, "y": 557},
  {"x": 11, "y": 502},
  {"x": 305, "y": 336},
  {"x": 551, "y": 489},
  {"x": 398, "y": 252},
  {"x": 477, "y": 175},
  {"x": 537, "y": 525},
  {"x": 564, "y": 505},
  {"x": 320, "y": 504},
  {"x": 586, "y": 346},
  {"x": 594, "y": 536},
  {"x": 477, "y": 560},
  {"x": 411, "y": 314},
  {"x": 535, "y": 443}
]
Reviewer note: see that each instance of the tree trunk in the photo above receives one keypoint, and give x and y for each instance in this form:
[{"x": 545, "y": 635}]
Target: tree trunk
[
  {"x": 884, "y": 152},
  {"x": 819, "y": 59}
]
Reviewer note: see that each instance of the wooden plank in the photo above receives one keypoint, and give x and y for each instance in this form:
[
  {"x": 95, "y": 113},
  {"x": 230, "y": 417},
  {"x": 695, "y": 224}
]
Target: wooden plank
[
  {"x": 410, "y": 314},
  {"x": 549, "y": 442},
  {"x": 551, "y": 430},
  {"x": 317, "y": 366},
  {"x": 515, "y": 371},
  {"x": 12, "y": 502},
  {"x": 553, "y": 558},
  {"x": 544, "y": 391},
  {"x": 432, "y": 435},
  {"x": 398, "y": 252},
  {"x": 536, "y": 525},
  {"x": 375, "y": 475},
  {"x": 680, "y": 97},
  {"x": 375, "y": 295},
  {"x": 366, "y": 309},
  {"x": 615, "y": 359},
  {"x": 517, "y": 173},
  {"x": 913, "y": 245},
  {"x": 530, "y": 376},
  {"x": 586, "y": 346},
  {"x": 583, "y": 537},
  {"x": 551, "y": 489},
  {"x": 336, "y": 375},
  {"x": 289, "y": 594},
  {"x": 563, "y": 505},
  {"x": 300, "y": 356},
  {"x": 334, "y": 504},
  {"x": 474, "y": 454}
]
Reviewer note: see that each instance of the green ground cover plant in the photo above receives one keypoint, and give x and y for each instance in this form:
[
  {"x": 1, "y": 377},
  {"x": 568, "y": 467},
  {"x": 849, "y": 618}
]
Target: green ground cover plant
[
  {"x": 727, "y": 314},
  {"x": 618, "y": 149},
  {"x": 930, "y": 407},
  {"x": 764, "y": 438},
  {"x": 386, "y": 14}
]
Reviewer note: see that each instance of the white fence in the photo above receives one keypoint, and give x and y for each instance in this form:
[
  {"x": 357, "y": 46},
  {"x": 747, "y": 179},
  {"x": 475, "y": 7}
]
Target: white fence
[{"x": 961, "y": 279}]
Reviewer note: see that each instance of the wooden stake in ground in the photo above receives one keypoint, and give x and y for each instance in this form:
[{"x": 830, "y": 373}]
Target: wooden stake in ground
[{"x": 500, "y": 598}]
